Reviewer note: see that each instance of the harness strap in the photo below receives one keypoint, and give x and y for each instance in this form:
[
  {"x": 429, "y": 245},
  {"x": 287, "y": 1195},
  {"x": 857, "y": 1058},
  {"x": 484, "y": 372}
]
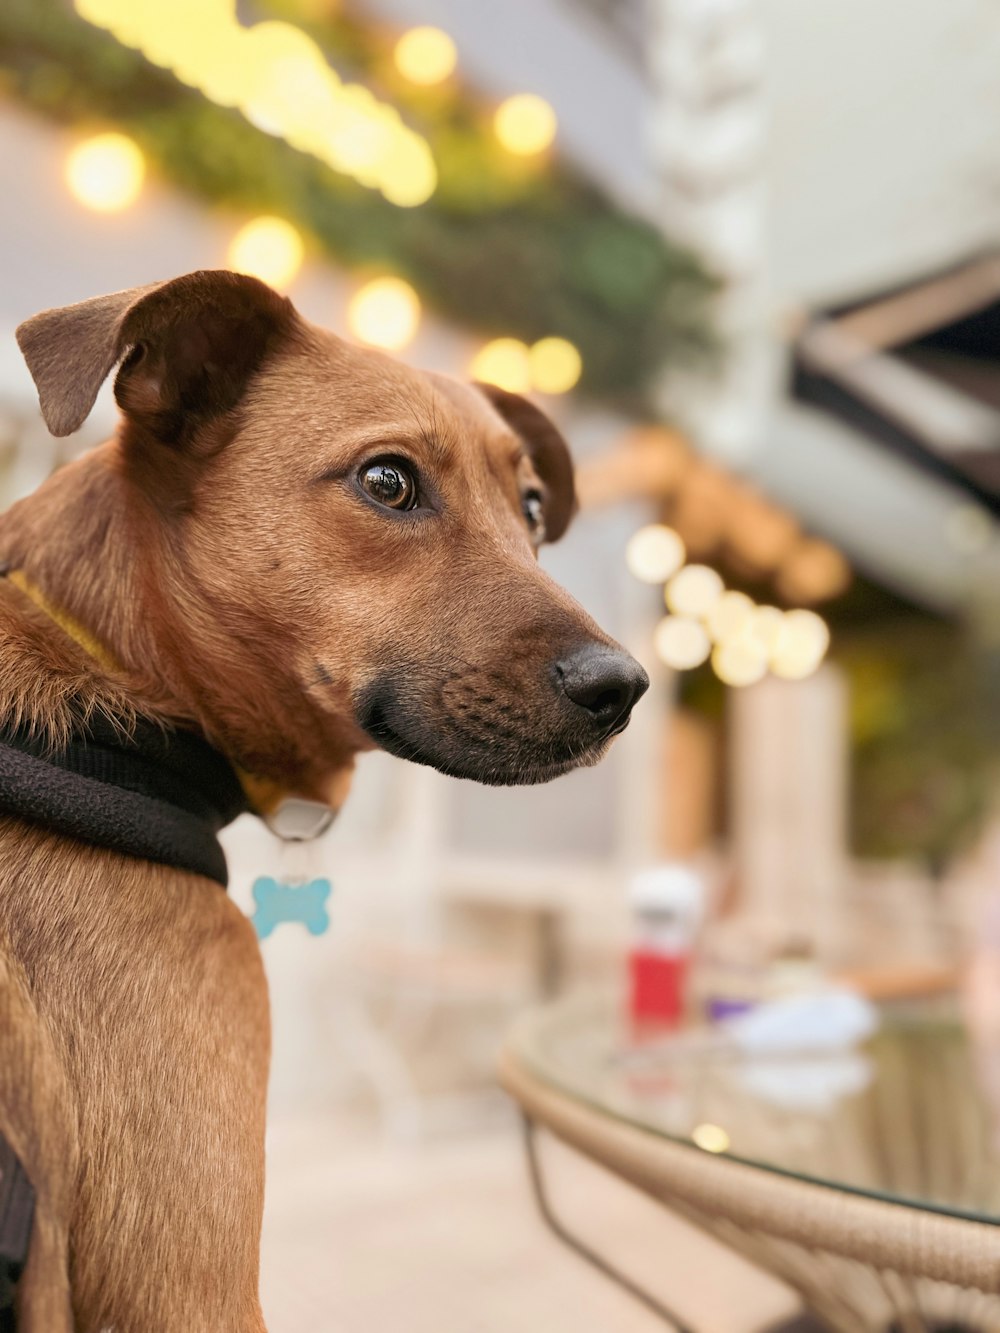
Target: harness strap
[
  {"x": 17, "y": 1208},
  {"x": 158, "y": 795}
]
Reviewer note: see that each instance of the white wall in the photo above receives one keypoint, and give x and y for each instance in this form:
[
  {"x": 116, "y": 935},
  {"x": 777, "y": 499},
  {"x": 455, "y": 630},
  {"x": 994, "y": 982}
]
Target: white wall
[{"x": 882, "y": 144}]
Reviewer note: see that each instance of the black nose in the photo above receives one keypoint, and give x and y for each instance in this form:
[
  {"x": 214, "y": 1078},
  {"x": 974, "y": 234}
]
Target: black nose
[{"x": 604, "y": 681}]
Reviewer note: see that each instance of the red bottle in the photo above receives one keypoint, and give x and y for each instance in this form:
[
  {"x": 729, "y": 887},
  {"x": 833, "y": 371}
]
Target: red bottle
[{"x": 667, "y": 906}]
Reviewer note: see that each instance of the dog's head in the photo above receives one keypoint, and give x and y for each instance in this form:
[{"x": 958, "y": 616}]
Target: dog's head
[{"x": 368, "y": 530}]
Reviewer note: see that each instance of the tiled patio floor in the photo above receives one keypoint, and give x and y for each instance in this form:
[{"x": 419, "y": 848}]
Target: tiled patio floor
[{"x": 442, "y": 1237}]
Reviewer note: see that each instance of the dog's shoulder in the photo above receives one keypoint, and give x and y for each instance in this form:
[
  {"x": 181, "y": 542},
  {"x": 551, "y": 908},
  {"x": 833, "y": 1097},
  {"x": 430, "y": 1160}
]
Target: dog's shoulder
[{"x": 47, "y": 681}]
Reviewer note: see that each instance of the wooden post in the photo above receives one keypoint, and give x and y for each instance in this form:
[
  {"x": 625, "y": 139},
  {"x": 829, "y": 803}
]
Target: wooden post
[{"x": 788, "y": 776}]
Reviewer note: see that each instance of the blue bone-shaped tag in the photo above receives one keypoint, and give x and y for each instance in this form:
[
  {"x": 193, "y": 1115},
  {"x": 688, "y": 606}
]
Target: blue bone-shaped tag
[{"x": 278, "y": 902}]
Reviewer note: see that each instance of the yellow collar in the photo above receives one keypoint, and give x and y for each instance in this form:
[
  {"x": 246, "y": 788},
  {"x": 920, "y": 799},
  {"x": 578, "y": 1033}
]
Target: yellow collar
[
  {"x": 274, "y": 803},
  {"x": 67, "y": 623}
]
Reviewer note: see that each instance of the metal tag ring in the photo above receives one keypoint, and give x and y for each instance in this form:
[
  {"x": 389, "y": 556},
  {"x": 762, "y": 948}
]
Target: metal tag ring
[{"x": 298, "y": 820}]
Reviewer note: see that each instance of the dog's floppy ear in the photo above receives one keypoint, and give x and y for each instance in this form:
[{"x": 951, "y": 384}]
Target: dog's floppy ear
[
  {"x": 549, "y": 455},
  {"x": 189, "y": 347}
]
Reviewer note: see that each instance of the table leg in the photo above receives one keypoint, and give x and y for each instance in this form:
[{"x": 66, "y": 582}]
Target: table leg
[
  {"x": 579, "y": 1247},
  {"x": 550, "y": 953}
]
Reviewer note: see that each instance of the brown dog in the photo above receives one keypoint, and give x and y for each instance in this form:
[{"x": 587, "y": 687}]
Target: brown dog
[{"x": 299, "y": 550}]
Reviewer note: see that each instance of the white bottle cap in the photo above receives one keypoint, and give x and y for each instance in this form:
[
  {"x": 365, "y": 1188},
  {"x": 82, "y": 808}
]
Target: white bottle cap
[{"x": 668, "y": 888}]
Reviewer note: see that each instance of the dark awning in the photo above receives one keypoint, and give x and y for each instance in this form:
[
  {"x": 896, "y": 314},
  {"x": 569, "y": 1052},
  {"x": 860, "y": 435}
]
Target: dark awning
[{"x": 917, "y": 370}]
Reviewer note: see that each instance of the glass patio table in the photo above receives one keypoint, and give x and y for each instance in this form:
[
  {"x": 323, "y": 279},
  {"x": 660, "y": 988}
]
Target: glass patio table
[{"x": 867, "y": 1178}]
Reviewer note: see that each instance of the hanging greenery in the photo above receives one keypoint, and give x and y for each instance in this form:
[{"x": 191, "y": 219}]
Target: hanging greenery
[
  {"x": 924, "y": 742},
  {"x": 506, "y": 246}
]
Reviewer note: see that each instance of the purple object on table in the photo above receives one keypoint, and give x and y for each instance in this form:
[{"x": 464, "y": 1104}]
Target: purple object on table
[{"x": 721, "y": 1007}]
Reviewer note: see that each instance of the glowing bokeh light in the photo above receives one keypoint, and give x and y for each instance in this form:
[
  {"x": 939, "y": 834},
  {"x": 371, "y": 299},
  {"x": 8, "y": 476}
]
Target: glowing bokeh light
[
  {"x": 681, "y": 643},
  {"x": 408, "y": 179},
  {"x": 278, "y": 77},
  {"x": 267, "y": 248},
  {"x": 655, "y": 553},
  {"x": 710, "y": 1138},
  {"x": 730, "y": 617},
  {"x": 739, "y": 662},
  {"x": 425, "y": 56},
  {"x": 765, "y": 627},
  {"x": 504, "y": 362},
  {"x": 801, "y": 645},
  {"x": 106, "y": 173},
  {"x": 694, "y": 591},
  {"x": 555, "y": 365},
  {"x": 814, "y": 571},
  {"x": 525, "y": 124},
  {"x": 385, "y": 313},
  {"x": 282, "y": 81}
]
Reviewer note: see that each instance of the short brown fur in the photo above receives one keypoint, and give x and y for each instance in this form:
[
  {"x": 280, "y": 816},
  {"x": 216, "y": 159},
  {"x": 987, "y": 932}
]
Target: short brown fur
[{"x": 220, "y": 549}]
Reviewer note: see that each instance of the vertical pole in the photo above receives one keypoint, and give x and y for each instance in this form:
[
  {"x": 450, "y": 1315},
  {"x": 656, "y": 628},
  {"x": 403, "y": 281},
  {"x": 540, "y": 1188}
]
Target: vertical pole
[
  {"x": 707, "y": 139},
  {"x": 789, "y": 798}
]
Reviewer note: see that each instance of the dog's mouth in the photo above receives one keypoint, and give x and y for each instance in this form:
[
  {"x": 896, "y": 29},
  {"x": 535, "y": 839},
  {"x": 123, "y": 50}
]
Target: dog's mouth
[{"x": 501, "y": 760}]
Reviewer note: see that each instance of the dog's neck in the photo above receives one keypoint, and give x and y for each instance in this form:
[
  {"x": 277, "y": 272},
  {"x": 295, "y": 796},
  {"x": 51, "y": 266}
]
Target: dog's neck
[{"x": 98, "y": 549}]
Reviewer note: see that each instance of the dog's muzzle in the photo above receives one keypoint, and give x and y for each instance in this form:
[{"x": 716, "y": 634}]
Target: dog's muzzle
[{"x": 505, "y": 727}]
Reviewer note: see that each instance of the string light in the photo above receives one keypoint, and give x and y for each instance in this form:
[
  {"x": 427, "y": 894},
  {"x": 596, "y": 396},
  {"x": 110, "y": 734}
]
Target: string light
[
  {"x": 407, "y": 178},
  {"x": 525, "y": 124},
  {"x": 681, "y": 643},
  {"x": 739, "y": 662},
  {"x": 267, "y": 248},
  {"x": 554, "y": 365},
  {"x": 766, "y": 626},
  {"x": 425, "y": 56},
  {"x": 694, "y": 591},
  {"x": 385, "y": 313},
  {"x": 814, "y": 571},
  {"x": 504, "y": 362},
  {"x": 106, "y": 173},
  {"x": 801, "y": 645},
  {"x": 710, "y": 1138},
  {"x": 282, "y": 79},
  {"x": 655, "y": 553},
  {"x": 277, "y": 76},
  {"x": 730, "y": 617},
  {"x": 760, "y": 533}
]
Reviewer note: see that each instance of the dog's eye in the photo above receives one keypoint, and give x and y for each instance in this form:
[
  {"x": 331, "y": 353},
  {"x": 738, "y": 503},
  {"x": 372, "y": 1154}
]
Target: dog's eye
[
  {"x": 390, "y": 484},
  {"x": 534, "y": 514}
]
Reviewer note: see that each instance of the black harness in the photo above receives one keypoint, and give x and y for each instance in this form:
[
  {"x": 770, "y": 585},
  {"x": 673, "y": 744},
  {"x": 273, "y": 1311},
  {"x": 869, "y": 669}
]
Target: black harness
[
  {"x": 17, "y": 1207},
  {"x": 146, "y": 792}
]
